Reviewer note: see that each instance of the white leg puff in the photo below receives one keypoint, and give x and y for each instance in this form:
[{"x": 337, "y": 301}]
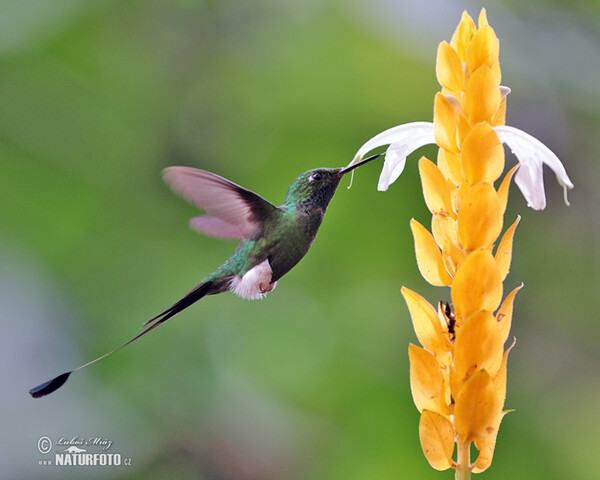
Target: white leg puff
[{"x": 255, "y": 283}]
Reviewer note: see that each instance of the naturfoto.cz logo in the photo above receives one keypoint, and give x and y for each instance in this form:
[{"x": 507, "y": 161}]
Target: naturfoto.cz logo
[{"x": 79, "y": 451}]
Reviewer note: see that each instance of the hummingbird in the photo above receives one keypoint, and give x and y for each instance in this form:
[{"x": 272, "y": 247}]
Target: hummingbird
[{"x": 274, "y": 239}]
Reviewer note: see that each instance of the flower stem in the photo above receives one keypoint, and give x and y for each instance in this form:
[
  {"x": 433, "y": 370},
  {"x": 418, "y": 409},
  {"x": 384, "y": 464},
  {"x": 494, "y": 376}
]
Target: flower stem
[{"x": 463, "y": 467}]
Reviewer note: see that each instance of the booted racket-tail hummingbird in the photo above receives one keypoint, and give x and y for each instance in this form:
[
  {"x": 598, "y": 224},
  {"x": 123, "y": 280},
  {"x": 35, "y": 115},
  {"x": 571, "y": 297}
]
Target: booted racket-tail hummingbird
[{"x": 274, "y": 239}]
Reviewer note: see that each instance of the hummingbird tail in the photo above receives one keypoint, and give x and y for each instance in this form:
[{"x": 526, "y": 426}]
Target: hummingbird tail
[{"x": 193, "y": 296}]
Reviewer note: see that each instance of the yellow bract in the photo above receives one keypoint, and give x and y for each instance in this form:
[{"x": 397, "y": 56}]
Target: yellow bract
[
  {"x": 437, "y": 439},
  {"x": 425, "y": 322},
  {"x": 426, "y": 380},
  {"x": 486, "y": 446},
  {"x": 477, "y": 408},
  {"x": 483, "y": 95},
  {"x": 449, "y": 164},
  {"x": 482, "y": 155},
  {"x": 429, "y": 257},
  {"x": 453, "y": 257},
  {"x": 500, "y": 116},
  {"x": 435, "y": 188},
  {"x": 482, "y": 20},
  {"x": 480, "y": 217},
  {"x": 449, "y": 69},
  {"x": 462, "y": 36},
  {"x": 504, "y": 314},
  {"x": 504, "y": 252},
  {"x": 445, "y": 117},
  {"x": 477, "y": 285},
  {"x": 478, "y": 346},
  {"x": 444, "y": 229},
  {"x": 500, "y": 378},
  {"x": 503, "y": 189},
  {"x": 483, "y": 50}
]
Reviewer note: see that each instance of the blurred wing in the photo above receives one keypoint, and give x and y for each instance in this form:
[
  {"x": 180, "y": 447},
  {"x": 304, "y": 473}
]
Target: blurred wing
[
  {"x": 239, "y": 210},
  {"x": 215, "y": 227}
]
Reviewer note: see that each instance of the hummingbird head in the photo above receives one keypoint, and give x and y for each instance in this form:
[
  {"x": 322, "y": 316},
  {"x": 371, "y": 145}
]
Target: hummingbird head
[{"x": 315, "y": 188}]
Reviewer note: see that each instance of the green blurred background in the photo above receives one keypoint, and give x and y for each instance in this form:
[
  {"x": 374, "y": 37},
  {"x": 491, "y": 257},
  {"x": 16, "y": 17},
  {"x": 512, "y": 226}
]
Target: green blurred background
[{"x": 96, "y": 97}]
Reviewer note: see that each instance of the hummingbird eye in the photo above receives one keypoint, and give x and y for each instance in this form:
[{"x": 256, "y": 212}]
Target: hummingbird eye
[{"x": 315, "y": 177}]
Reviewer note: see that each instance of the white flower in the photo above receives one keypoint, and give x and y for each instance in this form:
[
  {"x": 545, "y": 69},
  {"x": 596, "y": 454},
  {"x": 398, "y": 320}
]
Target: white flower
[
  {"x": 530, "y": 152},
  {"x": 402, "y": 140}
]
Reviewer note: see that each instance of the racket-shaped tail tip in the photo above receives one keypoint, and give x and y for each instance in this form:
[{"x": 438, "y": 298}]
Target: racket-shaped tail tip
[{"x": 50, "y": 386}]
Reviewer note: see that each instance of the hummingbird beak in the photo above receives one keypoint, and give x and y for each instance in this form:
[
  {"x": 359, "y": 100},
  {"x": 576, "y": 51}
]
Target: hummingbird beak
[{"x": 351, "y": 167}]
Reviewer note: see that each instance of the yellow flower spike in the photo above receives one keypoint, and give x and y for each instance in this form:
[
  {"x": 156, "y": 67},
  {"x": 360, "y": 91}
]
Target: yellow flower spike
[
  {"x": 482, "y": 155},
  {"x": 462, "y": 35},
  {"x": 480, "y": 217},
  {"x": 504, "y": 313},
  {"x": 449, "y": 68},
  {"x": 503, "y": 189},
  {"x": 477, "y": 284},
  {"x": 426, "y": 381},
  {"x": 483, "y": 50},
  {"x": 429, "y": 257},
  {"x": 483, "y": 95},
  {"x": 504, "y": 251},
  {"x": 449, "y": 164},
  {"x": 437, "y": 439},
  {"x": 458, "y": 378},
  {"x": 435, "y": 188},
  {"x": 425, "y": 322},
  {"x": 477, "y": 407},
  {"x": 445, "y": 116},
  {"x": 478, "y": 345}
]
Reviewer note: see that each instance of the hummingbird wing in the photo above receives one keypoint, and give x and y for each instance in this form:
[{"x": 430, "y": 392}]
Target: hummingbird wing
[
  {"x": 233, "y": 211},
  {"x": 215, "y": 227}
]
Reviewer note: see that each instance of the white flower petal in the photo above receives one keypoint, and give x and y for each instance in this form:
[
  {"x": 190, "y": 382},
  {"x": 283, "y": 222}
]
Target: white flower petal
[
  {"x": 402, "y": 140},
  {"x": 532, "y": 154},
  {"x": 530, "y": 180}
]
